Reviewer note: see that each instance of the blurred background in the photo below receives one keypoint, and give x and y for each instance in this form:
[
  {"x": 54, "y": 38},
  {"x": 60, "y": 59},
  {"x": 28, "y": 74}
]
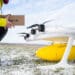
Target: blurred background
[{"x": 39, "y": 11}]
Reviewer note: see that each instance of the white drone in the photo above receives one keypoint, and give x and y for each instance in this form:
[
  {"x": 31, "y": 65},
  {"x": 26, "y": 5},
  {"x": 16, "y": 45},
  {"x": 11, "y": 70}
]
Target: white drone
[{"x": 56, "y": 32}]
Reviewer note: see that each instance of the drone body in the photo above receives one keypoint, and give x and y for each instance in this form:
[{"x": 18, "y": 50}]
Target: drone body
[{"x": 51, "y": 52}]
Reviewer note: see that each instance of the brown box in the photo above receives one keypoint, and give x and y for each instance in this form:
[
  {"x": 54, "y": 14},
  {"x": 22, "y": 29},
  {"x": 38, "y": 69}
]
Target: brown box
[{"x": 18, "y": 20}]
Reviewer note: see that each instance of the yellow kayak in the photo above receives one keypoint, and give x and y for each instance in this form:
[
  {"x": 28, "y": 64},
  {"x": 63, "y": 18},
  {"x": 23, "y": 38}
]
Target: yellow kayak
[{"x": 54, "y": 52}]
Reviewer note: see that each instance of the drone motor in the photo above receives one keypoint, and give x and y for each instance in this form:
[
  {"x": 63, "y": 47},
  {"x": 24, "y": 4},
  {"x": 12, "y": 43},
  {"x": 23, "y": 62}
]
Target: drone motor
[
  {"x": 41, "y": 28},
  {"x": 33, "y": 31}
]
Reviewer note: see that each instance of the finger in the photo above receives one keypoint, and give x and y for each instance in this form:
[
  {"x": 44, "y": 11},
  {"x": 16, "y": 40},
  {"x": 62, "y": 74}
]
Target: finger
[
  {"x": 11, "y": 24},
  {"x": 8, "y": 16}
]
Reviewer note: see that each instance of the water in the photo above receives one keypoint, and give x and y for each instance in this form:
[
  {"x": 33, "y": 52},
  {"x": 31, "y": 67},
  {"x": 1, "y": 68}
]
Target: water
[{"x": 21, "y": 60}]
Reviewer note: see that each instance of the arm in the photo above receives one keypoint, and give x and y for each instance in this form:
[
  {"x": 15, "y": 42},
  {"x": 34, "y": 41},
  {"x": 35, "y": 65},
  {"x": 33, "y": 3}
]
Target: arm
[{"x": 4, "y": 25}]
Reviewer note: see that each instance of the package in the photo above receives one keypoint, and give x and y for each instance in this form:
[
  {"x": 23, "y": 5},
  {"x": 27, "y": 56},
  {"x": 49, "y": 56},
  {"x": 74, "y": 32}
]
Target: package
[{"x": 18, "y": 20}]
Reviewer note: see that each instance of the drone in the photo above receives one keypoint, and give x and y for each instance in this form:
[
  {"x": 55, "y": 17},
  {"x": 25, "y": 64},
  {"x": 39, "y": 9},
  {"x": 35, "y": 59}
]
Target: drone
[
  {"x": 34, "y": 28},
  {"x": 51, "y": 53}
]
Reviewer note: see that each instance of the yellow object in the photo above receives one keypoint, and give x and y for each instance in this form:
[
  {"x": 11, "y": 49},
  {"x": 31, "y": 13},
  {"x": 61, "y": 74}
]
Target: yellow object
[
  {"x": 54, "y": 52},
  {"x": 3, "y": 22},
  {"x": 1, "y": 3}
]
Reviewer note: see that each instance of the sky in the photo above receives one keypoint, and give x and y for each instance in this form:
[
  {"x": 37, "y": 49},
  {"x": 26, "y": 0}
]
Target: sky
[
  {"x": 35, "y": 6},
  {"x": 38, "y": 11}
]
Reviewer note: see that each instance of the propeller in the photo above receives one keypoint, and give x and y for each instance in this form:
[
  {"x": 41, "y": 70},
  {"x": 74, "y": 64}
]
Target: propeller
[
  {"x": 27, "y": 35},
  {"x": 34, "y": 25},
  {"x": 41, "y": 27},
  {"x": 48, "y": 21}
]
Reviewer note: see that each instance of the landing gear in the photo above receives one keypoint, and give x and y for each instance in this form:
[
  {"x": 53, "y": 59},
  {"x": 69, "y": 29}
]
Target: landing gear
[
  {"x": 63, "y": 63},
  {"x": 67, "y": 51}
]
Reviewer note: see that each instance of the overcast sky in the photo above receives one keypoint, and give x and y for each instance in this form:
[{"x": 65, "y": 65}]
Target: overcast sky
[
  {"x": 35, "y": 6},
  {"x": 37, "y": 11}
]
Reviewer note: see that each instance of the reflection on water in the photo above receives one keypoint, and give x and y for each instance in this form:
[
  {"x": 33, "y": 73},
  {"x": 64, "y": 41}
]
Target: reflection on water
[{"x": 21, "y": 60}]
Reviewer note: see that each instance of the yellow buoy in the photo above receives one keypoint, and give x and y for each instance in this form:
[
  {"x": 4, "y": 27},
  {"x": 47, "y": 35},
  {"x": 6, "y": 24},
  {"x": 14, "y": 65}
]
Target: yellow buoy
[{"x": 54, "y": 52}]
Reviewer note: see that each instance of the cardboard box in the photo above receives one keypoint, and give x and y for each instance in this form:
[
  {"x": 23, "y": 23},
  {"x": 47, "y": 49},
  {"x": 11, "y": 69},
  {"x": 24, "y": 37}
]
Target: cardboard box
[{"x": 18, "y": 20}]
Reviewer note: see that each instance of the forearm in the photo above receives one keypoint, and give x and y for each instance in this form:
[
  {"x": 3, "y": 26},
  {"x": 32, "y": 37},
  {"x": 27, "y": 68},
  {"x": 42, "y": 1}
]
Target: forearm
[{"x": 3, "y": 22}]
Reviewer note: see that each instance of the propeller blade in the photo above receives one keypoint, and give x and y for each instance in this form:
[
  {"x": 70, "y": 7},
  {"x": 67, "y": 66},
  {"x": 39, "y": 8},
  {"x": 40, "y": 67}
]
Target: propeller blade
[
  {"x": 48, "y": 21},
  {"x": 34, "y": 25},
  {"x": 23, "y": 33},
  {"x": 27, "y": 35}
]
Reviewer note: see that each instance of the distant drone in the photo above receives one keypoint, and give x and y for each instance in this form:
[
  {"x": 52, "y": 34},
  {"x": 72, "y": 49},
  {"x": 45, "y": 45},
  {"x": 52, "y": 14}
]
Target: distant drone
[{"x": 34, "y": 28}]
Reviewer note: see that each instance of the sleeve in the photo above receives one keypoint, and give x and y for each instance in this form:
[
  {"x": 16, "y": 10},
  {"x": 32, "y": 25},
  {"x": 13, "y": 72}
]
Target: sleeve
[{"x": 3, "y": 22}]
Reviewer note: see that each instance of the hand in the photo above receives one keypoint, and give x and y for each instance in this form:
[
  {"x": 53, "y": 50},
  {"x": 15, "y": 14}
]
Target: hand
[{"x": 9, "y": 24}]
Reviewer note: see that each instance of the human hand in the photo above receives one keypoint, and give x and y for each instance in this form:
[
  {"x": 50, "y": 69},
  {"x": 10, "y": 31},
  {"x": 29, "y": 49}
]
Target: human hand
[{"x": 9, "y": 24}]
